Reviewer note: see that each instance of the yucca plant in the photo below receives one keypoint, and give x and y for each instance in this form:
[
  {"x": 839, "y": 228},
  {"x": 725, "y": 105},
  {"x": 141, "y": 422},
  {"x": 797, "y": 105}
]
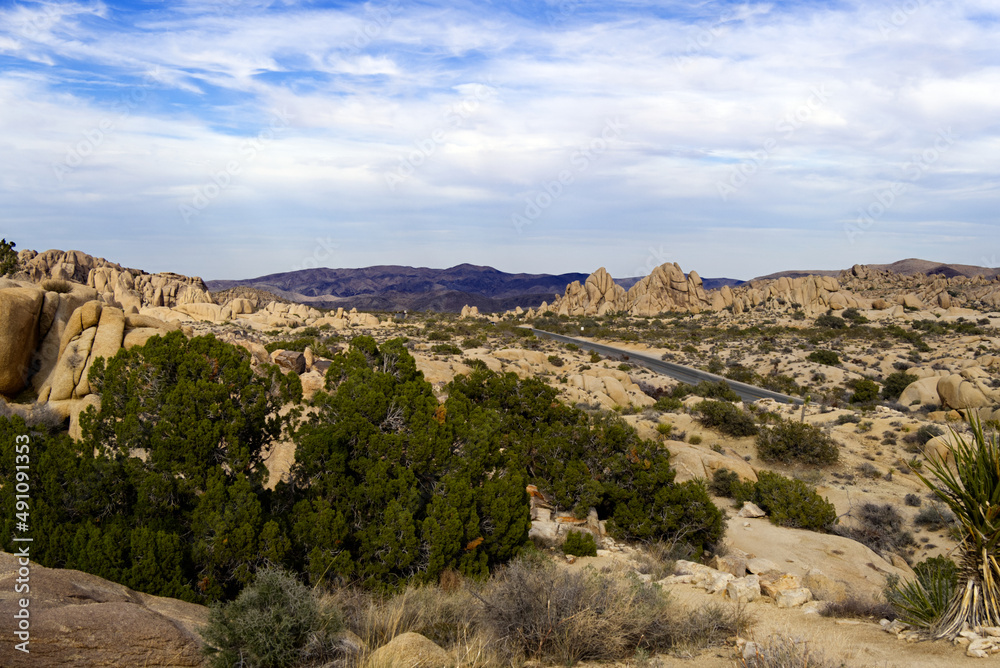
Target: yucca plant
[{"x": 972, "y": 491}]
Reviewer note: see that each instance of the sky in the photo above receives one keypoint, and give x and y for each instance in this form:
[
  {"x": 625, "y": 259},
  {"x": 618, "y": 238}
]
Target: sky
[{"x": 233, "y": 139}]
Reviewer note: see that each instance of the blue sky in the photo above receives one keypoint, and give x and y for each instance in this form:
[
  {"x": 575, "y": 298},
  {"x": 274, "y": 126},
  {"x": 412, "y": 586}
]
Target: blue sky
[{"x": 231, "y": 139}]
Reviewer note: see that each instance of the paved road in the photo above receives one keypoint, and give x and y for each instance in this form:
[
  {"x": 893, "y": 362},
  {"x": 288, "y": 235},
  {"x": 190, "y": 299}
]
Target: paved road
[{"x": 679, "y": 372}]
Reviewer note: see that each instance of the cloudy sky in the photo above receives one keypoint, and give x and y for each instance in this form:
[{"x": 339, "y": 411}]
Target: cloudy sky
[{"x": 235, "y": 138}]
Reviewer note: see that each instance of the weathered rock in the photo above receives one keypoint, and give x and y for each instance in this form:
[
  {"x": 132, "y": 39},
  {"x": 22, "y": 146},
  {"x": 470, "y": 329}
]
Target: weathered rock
[
  {"x": 80, "y": 620},
  {"x": 958, "y": 393},
  {"x": 919, "y": 393},
  {"x": 734, "y": 562},
  {"x": 758, "y": 565},
  {"x": 20, "y": 310},
  {"x": 792, "y": 598},
  {"x": 289, "y": 360},
  {"x": 745, "y": 589},
  {"x": 409, "y": 650},
  {"x": 823, "y": 587},
  {"x": 78, "y": 407},
  {"x": 772, "y": 587},
  {"x": 751, "y": 509}
]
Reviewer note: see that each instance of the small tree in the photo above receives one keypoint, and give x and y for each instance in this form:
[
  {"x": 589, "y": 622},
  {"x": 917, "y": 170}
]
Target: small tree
[
  {"x": 9, "y": 262},
  {"x": 972, "y": 491}
]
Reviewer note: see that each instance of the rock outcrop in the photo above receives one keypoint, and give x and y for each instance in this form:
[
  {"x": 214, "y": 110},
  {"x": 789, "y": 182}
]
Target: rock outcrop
[
  {"x": 81, "y": 620},
  {"x": 128, "y": 289},
  {"x": 666, "y": 288}
]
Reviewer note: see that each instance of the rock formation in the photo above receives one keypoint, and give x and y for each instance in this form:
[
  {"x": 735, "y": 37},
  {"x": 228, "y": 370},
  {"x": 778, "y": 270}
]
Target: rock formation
[
  {"x": 128, "y": 289},
  {"x": 665, "y": 289},
  {"x": 80, "y": 620}
]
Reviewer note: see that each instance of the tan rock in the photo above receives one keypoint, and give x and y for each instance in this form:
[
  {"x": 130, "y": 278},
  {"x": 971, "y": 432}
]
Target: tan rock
[
  {"x": 409, "y": 650},
  {"x": 79, "y": 406},
  {"x": 289, "y": 360},
  {"x": 792, "y": 598},
  {"x": 80, "y": 620},
  {"x": 107, "y": 341},
  {"x": 744, "y": 590},
  {"x": 823, "y": 587},
  {"x": 922, "y": 392},
  {"x": 958, "y": 393},
  {"x": 20, "y": 309}
]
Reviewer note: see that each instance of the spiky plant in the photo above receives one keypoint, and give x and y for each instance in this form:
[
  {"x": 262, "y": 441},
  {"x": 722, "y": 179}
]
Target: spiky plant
[{"x": 972, "y": 491}]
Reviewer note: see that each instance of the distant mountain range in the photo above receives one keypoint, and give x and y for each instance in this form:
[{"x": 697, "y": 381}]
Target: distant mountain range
[
  {"x": 908, "y": 267},
  {"x": 398, "y": 288}
]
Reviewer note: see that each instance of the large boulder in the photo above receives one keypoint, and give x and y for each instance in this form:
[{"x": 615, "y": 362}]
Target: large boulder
[
  {"x": 20, "y": 309},
  {"x": 79, "y": 620},
  {"x": 958, "y": 393},
  {"x": 922, "y": 392}
]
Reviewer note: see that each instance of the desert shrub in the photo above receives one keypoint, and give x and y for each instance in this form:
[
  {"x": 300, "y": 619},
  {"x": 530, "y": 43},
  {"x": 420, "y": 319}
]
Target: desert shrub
[
  {"x": 880, "y": 527},
  {"x": 924, "y": 600},
  {"x": 555, "y": 360},
  {"x": 722, "y": 482},
  {"x": 828, "y": 321},
  {"x": 895, "y": 383},
  {"x": 912, "y": 500},
  {"x": 827, "y": 357},
  {"x": 726, "y": 418},
  {"x": 572, "y": 346},
  {"x": 788, "y": 502},
  {"x": 595, "y": 357},
  {"x": 853, "y": 607},
  {"x": 274, "y": 623},
  {"x": 865, "y": 391},
  {"x": 934, "y": 517},
  {"x": 695, "y": 439},
  {"x": 580, "y": 544},
  {"x": 534, "y": 610},
  {"x": 848, "y": 418},
  {"x": 438, "y": 336},
  {"x": 716, "y": 390},
  {"x": 801, "y": 442},
  {"x": 56, "y": 285},
  {"x": 446, "y": 349},
  {"x": 854, "y": 316},
  {"x": 664, "y": 429},
  {"x": 868, "y": 470},
  {"x": 925, "y": 433},
  {"x": 659, "y": 558},
  {"x": 784, "y": 652},
  {"x": 668, "y": 404},
  {"x": 472, "y": 343}
]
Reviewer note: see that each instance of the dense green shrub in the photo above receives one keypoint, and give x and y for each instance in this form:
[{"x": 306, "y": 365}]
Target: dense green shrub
[
  {"x": 895, "y": 383},
  {"x": 446, "y": 349},
  {"x": 865, "y": 391},
  {"x": 275, "y": 622},
  {"x": 827, "y": 357},
  {"x": 828, "y": 321},
  {"x": 723, "y": 482},
  {"x": 787, "y": 502},
  {"x": 580, "y": 544},
  {"x": 789, "y": 442},
  {"x": 726, "y": 418},
  {"x": 555, "y": 360},
  {"x": 9, "y": 263}
]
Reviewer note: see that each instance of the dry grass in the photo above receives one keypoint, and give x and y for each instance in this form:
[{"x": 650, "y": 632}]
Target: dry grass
[{"x": 784, "y": 652}]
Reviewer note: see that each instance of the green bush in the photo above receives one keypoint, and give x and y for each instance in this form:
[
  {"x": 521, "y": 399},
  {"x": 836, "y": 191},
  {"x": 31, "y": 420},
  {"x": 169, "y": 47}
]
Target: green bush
[
  {"x": 789, "y": 442},
  {"x": 865, "y": 391},
  {"x": 273, "y": 623},
  {"x": 726, "y": 418},
  {"x": 828, "y": 321},
  {"x": 595, "y": 357},
  {"x": 9, "y": 263},
  {"x": 723, "y": 482},
  {"x": 580, "y": 544},
  {"x": 827, "y": 357},
  {"x": 668, "y": 404},
  {"x": 787, "y": 502},
  {"x": 555, "y": 360},
  {"x": 895, "y": 383},
  {"x": 924, "y": 600},
  {"x": 446, "y": 349}
]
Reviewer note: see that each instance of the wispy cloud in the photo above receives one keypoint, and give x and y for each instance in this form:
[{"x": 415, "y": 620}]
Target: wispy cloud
[{"x": 703, "y": 88}]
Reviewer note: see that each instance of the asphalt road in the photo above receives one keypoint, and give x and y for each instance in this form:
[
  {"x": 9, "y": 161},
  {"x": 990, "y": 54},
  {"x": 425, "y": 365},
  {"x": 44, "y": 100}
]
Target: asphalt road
[{"x": 679, "y": 372}]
